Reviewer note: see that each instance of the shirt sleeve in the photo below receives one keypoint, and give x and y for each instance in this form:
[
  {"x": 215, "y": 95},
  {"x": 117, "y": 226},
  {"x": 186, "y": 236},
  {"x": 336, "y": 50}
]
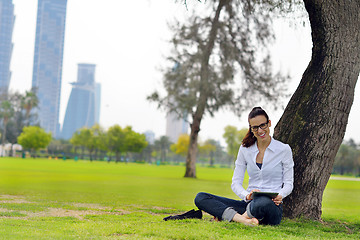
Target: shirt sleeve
[
  {"x": 288, "y": 173},
  {"x": 238, "y": 177}
]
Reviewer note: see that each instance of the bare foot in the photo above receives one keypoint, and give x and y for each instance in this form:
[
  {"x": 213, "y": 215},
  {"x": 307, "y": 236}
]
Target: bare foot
[{"x": 244, "y": 219}]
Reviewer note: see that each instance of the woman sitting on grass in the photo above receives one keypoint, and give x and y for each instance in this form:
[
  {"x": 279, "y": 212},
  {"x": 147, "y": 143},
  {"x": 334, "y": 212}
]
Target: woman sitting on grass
[{"x": 269, "y": 165}]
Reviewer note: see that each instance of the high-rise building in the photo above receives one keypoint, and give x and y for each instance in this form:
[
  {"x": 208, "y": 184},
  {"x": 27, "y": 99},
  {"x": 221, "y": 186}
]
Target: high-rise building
[
  {"x": 97, "y": 102},
  {"x": 150, "y": 136},
  {"x": 7, "y": 20},
  {"x": 48, "y": 59},
  {"x": 175, "y": 126},
  {"x": 83, "y": 109}
]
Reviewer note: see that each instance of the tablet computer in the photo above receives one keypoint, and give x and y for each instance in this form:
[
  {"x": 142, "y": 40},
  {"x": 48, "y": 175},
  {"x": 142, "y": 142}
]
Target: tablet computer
[{"x": 268, "y": 194}]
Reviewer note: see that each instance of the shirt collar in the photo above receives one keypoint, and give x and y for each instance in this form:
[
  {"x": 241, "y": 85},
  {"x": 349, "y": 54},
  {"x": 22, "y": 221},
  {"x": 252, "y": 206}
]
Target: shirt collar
[
  {"x": 272, "y": 146},
  {"x": 253, "y": 148}
]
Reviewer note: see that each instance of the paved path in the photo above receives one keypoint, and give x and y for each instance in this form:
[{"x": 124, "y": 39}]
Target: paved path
[{"x": 345, "y": 178}]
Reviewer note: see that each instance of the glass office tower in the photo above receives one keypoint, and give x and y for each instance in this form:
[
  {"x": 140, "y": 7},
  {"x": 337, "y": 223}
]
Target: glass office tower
[
  {"x": 48, "y": 59},
  {"x": 7, "y": 20},
  {"x": 175, "y": 126},
  {"x": 97, "y": 102},
  {"x": 83, "y": 107}
]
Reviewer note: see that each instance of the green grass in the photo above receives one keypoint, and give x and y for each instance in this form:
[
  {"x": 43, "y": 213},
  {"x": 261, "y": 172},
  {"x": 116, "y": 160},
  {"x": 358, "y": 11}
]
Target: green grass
[{"x": 56, "y": 199}]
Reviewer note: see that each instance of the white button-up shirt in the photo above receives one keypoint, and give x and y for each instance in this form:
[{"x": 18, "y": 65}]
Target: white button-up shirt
[{"x": 275, "y": 175}]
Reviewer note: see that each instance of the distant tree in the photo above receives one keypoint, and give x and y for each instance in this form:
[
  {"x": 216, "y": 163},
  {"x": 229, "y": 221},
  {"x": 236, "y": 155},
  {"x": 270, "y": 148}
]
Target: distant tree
[
  {"x": 18, "y": 118},
  {"x": 15, "y": 122},
  {"x": 162, "y": 146},
  {"x": 181, "y": 146},
  {"x": 81, "y": 139},
  {"x": 233, "y": 138},
  {"x": 208, "y": 148},
  {"x": 358, "y": 163},
  {"x": 221, "y": 61},
  {"x": 242, "y": 133},
  {"x": 221, "y": 155},
  {"x": 134, "y": 142},
  {"x": 116, "y": 141},
  {"x": 147, "y": 152},
  {"x": 6, "y": 112},
  {"x": 352, "y": 143},
  {"x": 59, "y": 147},
  {"x": 347, "y": 159},
  {"x": 343, "y": 159},
  {"x": 34, "y": 138},
  {"x": 98, "y": 139},
  {"x": 75, "y": 141},
  {"x": 28, "y": 102},
  {"x": 90, "y": 141}
]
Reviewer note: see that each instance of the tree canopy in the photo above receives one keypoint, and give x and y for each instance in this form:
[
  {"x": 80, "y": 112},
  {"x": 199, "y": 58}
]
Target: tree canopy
[
  {"x": 15, "y": 113},
  {"x": 233, "y": 138},
  {"x": 125, "y": 140},
  {"x": 347, "y": 160},
  {"x": 6, "y": 112},
  {"x": 162, "y": 145},
  {"x": 182, "y": 145},
  {"x": 219, "y": 60},
  {"x": 34, "y": 138}
]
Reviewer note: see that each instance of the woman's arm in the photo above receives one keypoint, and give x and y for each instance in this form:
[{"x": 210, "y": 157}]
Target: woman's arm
[
  {"x": 288, "y": 173},
  {"x": 238, "y": 177}
]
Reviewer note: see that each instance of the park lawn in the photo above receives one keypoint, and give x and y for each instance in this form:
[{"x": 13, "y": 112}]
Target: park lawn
[{"x": 56, "y": 199}]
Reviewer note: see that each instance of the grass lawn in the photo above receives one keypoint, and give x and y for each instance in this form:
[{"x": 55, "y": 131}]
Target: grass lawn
[{"x": 56, "y": 199}]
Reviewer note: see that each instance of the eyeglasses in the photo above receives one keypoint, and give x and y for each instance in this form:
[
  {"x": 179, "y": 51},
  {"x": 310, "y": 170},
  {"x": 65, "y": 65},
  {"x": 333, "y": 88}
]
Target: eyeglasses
[{"x": 263, "y": 126}]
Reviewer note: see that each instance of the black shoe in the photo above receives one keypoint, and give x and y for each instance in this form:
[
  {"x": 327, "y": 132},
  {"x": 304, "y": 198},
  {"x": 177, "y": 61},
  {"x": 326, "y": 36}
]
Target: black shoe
[{"x": 190, "y": 214}]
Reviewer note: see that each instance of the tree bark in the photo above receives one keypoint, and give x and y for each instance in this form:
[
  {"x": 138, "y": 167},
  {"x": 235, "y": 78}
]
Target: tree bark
[
  {"x": 192, "y": 151},
  {"x": 200, "y": 109},
  {"x": 96, "y": 155},
  {"x": 117, "y": 154},
  {"x": 5, "y": 122},
  {"x": 211, "y": 158},
  {"x": 82, "y": 152},
  {"x": 315, "y": 119}
]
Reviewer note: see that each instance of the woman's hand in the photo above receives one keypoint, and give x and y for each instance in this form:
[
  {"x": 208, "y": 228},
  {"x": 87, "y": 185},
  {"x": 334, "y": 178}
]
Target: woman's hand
[
  {"x": 278, "y": 199},
  {"x": 249, "y": 196}
]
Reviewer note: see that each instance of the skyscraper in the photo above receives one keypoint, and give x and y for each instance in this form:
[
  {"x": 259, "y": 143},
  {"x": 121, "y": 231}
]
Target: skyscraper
[
  {"x": 150, "y": 136},
  {"x": 175, "y": 126},
  {"x": 48, "y": 58},
  {"x": 7, "y": 19},
  {"x": 83, "y": 107},
  {"x": 97, "y": 102}
]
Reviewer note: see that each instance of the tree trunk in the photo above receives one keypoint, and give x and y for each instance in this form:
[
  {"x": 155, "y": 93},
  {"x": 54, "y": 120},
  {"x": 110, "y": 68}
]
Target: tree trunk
[
  {"x": 192, "y": 151},
  {"x": 200, "y": 109},
  {"x": 96, "y": 154},
  {"x": 315, "y": 119},
  {"x": 117, "y": 154},
  {"x": 163, "y": 154},
  {"x": 11, "y": 150},
  {"x": 5, "y": 121},
  {"x": 75, "y": 150},
  {"x": 82, "y": 152}
]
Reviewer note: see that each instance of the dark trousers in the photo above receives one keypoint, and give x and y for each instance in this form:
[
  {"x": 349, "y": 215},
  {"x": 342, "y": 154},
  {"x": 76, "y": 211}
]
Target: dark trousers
[{"x": 262, "y": 208}]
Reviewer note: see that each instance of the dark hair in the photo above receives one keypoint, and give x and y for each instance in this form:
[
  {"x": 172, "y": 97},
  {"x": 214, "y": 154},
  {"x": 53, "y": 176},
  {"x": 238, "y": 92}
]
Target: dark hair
[{"x": 249, "y": 138}]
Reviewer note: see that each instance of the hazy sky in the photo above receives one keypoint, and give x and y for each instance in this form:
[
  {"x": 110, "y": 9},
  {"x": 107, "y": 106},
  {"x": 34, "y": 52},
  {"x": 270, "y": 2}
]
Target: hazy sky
[{"x": 127, "y": 40}]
